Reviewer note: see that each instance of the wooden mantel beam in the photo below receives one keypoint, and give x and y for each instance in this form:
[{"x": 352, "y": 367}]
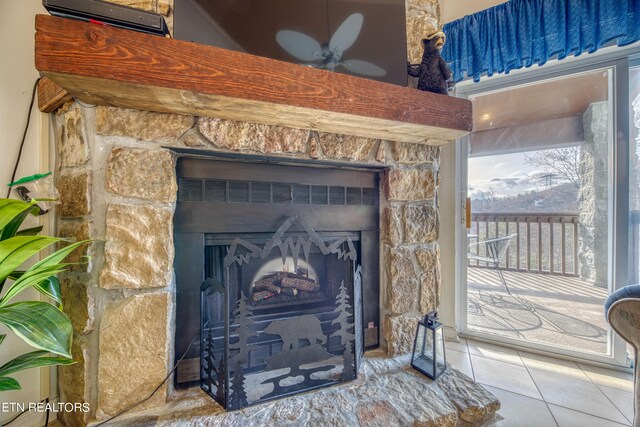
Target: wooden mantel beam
[
  {"x": 51, "y": 96},
  {"x": 112, "y": 66}
]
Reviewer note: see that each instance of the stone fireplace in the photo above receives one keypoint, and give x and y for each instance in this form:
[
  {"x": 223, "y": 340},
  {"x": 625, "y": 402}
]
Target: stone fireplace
[
  {"x": 118, "y": 184},
  {"x": 122, "y": 182}
]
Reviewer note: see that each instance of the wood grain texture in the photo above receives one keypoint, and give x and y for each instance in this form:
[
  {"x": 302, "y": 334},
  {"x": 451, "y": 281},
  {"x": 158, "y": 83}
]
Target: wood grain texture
[
  {"x": 111, "y": 66},
  {"x": 51, "y": 96}
]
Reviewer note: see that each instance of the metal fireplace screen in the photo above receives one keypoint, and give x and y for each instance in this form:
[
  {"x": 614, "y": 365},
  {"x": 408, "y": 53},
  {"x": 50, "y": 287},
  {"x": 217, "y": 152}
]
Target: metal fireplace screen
[{"x": 279, "y": 315}]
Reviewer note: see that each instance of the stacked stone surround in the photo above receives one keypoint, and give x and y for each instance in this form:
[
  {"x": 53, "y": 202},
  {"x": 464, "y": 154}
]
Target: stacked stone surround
[{"x": 116, "y": 177}]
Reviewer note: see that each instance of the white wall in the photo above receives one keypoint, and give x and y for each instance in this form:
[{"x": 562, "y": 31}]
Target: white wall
[
  {"x": 17, "y": 76},
  {"x": 447, "y": 201},
  {"x": 450, "y": 10}
]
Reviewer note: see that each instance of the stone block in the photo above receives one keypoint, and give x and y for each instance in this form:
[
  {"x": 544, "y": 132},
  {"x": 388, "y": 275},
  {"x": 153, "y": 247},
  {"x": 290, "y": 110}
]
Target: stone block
[
  {"x": 430, "y": 280},
  {"x": 77, "y": 231},
  {"x": 141, "y": 125},
  {"x": 72, "y": 149},
  {"x": 410, "y": 184},
  {"x": 428, "y": 258},
  {"x": 430, "y": 409},
  {"x": 407, "y": 153},
  {"x": 71, "y": 383},
  {"x": 77, "y": 303},
  {"x": 474, "y": 403},
  {"x": 75, "y": 200},
  {"x": 144, "y": 174},
  {"x": 194, "y": 139},
  {"x": 402, "y": 291},
  {"x": 243, "y": 136},
  {"x": 381, "y": 154},
  {"x": 429, "y": 291},
  {"x": 421, "y": 19},
  {"x": 345, "y": 147},
  {"x": 392, "y": 228},
  {"x": 378, "y": 414},
  {"x": 399, "y": 333},
  {"x": 327, "y": 412},
  {"x": 421, "y": 224},
  {"x": 139, "y": 247},
  {"x": 134, "y": 350},
  {"x": 314, "y": 146},
  {"x": 165, "y": 7}
]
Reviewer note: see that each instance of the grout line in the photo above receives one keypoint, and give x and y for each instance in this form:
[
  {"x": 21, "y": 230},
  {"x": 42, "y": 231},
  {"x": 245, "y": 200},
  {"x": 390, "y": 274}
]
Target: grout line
[
  {"x": 482, "y": 356},
  {"x": 612, "y": 402},
  {"x": 590, "y": 415},
  {"x": 493, "y": 359},
  {"x": 538, "y": 388},
  {"x": 542, "y": 396},
  {"x": 512, "y": 392},
  {"x": 599, "y": 389},
  {"x": 572, "y": 409},
  {"x": 473, "y": 371},
  {"x": 551, "y": 412}
]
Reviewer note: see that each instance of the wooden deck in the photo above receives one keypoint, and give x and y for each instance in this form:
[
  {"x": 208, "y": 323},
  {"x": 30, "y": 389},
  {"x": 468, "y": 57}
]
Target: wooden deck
[{"x": 557, "y": 310}]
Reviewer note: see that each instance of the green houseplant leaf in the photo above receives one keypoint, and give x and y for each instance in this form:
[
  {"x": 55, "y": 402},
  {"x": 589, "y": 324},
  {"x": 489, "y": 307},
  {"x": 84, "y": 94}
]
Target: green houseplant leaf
[
  {"x": 10, "y": 209},
  {"x": 29, "y": 231},
  {"x": 16, "y": 250},
  {"x": 11, "y": 229},
  {"x": 40, "y": 271},
  {"x": 50, "y": 287},
  {"x": 39, "y": 324},
  {"x": 34, "y": 359},
  {"x": 7, "y": 384}
]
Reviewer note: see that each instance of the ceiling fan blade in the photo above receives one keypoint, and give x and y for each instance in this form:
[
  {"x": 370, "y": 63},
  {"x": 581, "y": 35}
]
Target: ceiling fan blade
[
  {"x": 346, "y": 34},
  {"x": 299, "y": 45},
  {"x": 363, "y": 67}
]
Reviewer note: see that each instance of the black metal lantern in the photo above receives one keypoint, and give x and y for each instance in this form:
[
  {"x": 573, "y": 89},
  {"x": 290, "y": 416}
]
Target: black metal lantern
[{"x": 428, "y": 347}]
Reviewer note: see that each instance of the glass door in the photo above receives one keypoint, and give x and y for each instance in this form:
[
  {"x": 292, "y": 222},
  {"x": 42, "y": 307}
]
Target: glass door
[
  {"x": 542, "y": 178},
  {"x": 634, "y": 180}
]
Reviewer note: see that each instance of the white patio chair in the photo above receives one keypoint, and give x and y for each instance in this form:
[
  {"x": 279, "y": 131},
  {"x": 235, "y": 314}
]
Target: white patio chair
[{"x": 495, "y": 250}]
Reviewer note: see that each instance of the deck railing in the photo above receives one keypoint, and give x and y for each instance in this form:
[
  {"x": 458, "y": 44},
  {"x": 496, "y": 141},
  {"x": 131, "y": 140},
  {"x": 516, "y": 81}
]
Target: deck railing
[{"x": 545, "y": 242}]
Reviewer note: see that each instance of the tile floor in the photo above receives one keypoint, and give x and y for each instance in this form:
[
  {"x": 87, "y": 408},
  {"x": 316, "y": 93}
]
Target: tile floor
[{"x": 540, "y": 391}]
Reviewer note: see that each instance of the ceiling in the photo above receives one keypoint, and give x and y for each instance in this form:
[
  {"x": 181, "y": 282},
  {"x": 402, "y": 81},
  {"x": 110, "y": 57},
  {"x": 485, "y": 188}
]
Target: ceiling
[{"x": 562, "y": 97}]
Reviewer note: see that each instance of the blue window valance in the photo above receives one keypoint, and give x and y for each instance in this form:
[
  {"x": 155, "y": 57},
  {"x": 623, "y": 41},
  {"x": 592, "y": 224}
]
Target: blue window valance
[{"x": 526, "y": 32}]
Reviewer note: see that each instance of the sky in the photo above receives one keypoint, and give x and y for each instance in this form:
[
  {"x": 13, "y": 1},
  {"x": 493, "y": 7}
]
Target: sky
[{"x": 506, "y": 174}]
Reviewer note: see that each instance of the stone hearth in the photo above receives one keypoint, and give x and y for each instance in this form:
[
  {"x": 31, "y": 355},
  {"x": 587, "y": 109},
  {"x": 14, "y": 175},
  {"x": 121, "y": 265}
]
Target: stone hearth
[{"x": 388, "y": 392}]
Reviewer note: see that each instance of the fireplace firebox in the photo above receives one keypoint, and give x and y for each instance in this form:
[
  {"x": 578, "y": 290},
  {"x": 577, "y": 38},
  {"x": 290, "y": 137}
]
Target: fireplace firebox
[{"x": 277, "y": 273}]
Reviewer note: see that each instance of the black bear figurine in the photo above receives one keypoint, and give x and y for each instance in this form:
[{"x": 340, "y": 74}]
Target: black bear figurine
[{"x": 433, "y": 73}]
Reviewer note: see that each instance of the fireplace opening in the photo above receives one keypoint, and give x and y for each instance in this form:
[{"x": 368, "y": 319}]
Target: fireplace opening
[
  {"x": 282, "y": 283},
  {"x": 284, "y": 293},
  {"x": 279, "y": 316}
]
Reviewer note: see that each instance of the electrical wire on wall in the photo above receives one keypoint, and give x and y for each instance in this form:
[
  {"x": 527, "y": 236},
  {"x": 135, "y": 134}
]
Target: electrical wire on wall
[
  {"x": 46, "y": 421},
  {"x": 127, "y": 409},
  {"x": 24, "y": 135}
]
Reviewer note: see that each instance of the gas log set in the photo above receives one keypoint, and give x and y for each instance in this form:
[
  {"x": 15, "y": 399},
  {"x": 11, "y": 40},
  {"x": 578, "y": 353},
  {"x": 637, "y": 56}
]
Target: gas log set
[{"x": 284, "y": 287}]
